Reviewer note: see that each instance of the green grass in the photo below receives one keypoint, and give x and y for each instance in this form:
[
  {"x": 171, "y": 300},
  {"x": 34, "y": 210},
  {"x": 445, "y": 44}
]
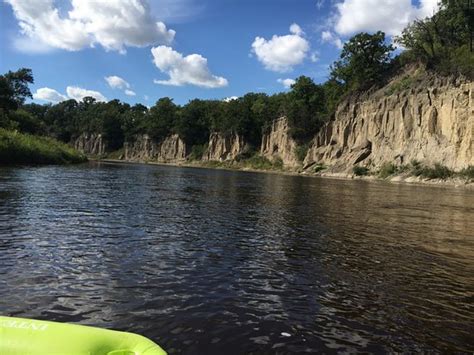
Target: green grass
[
  {"x": 255, "y": 162},
  {"x": 17, "y": 148}
]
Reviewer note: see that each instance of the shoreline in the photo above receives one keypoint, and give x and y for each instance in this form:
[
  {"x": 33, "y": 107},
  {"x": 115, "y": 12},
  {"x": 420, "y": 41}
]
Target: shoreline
[{"x": 395, "y": 179}]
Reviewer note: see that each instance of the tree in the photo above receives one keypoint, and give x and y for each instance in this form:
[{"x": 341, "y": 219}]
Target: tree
[
  {"x": 14, "y": 88},
  {"x": 305, "y": 108},
  {"x": 363, "y": 62},
  {"x": 442, "y": 41},
  {"x": 192, "y": 124},
  {"x": 161, "y": 118}
]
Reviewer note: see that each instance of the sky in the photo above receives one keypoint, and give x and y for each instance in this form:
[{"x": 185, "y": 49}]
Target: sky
[{"x": 138, "y": 51}]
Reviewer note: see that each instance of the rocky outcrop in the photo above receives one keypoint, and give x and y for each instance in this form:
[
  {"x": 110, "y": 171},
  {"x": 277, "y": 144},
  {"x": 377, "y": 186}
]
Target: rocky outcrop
[
  {"x": 431, "y": 123},
  {"x": 278, "y": 144},
  {"x": 224, "y": 147},
  {"x": 143, "y": 148},
  {"x": 90, "y": 144}
]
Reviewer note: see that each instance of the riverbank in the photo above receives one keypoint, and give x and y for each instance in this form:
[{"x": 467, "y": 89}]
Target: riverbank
[
  {"x": 400, "y": 178},
  {"x": 22, "y": 149}
]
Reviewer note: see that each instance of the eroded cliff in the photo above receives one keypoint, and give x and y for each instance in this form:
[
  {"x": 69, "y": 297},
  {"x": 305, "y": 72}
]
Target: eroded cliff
[
  {"x": 433, "y": 122},
  {"x": 224, "y": 147},
  {"x": 170, "y": 150},
  {"x": 278, "y": 144},
  {"x": 90, "y": 144}
]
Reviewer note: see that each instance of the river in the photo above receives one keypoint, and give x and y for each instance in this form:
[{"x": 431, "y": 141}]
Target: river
[{"x": 214, "y": 261}]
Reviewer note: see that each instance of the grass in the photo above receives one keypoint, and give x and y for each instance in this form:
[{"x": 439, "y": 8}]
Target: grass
[
  {"x": 255, "y": 162},
  {"x": 18, "y": 148}
]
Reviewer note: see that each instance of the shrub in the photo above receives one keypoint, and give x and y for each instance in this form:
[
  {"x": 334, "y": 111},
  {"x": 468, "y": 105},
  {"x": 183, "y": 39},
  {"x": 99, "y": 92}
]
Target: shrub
[
  {"x": 301, "y": 151},
  {"x": 360, "y": 170},
  {"x": 319, "y": 167},
  {"x": 386, "y": 170},
  {"x": 18, "y": 148},
  {"x": 468, "y": 173},
  {"x": 197, "y": 151}
]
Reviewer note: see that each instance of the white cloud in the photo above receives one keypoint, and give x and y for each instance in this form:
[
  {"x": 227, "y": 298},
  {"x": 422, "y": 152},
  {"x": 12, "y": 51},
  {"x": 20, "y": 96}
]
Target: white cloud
[
  {"x": 78, "y": 93},
  {"x": 116, "y": 82},
  {"x": 282, "y": 53},
  {"x": 286, "y": 82},
  {"x": 114, "y": 24},
  {"x": 188, "y": 70},
  {"x": 231, "y": 98},
  {"x": 390, "y": 16},
  {"x": 130, "y": 92},
  {"x": 328, "y": 36},
  {"x": 314, "y": 56},
  {"x": 50, "y": 95}
]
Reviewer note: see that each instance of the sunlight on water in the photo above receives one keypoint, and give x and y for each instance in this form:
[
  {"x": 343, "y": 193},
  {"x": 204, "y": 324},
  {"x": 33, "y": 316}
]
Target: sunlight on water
[{"x": 214, "y": 260}]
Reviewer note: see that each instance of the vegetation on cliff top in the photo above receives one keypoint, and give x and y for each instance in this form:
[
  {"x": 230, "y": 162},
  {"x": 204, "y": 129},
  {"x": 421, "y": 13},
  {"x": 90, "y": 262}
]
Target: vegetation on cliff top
[{"x": 439, "y": 43}]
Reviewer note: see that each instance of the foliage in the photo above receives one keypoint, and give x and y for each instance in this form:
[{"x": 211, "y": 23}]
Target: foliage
[
  {"x": 301, "y": 151},
  {"x": 197, "y": 151},
  {"x": 18, "y": 148},
  {"x": 468, "y": 173},
  {"x": 360, "y": 170},
  {"x": 441, "y": 41},
  {"x": 14, "y": 88},
  {"x": 319, "y": 167},
  {"x": 364, "y": 60},
  {"x": 387, "y": 169}
]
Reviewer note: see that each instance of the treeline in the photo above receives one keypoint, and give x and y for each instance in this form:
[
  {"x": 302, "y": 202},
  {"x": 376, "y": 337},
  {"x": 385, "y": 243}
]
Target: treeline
[{"x": 441, "y": 43}]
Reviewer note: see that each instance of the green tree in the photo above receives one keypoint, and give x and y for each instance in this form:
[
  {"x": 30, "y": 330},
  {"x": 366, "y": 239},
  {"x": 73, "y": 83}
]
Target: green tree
[
  {"x": 364, "y": 60},
  {"x": 305, "y": 108},
  {"x": 161, "y": 118},
  {"x": 441, "y": 41},
  {"x": 14, "y": 88}
]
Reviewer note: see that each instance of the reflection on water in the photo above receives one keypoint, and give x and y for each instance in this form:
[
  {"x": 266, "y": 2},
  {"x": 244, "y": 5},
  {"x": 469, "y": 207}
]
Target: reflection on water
[{"x": 228, "y": 261}]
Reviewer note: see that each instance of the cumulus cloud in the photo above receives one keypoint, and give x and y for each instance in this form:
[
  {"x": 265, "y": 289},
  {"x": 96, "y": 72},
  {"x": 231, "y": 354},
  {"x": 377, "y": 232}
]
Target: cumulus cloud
[
  {"x": 116, "y": 82},
  {"x": 328, "y": 36},
  {"x": 113, "y": 24},
  {"x": 390, "y": 16},
  {"x": 73, "y": 92},
  {"x": 78, "y": 93},
  {"x": 286, "y": 82},
  {"x": 48, "y": 94},
  {"x": 185, "y": 70},
  {"x": 282, "y": 53}
]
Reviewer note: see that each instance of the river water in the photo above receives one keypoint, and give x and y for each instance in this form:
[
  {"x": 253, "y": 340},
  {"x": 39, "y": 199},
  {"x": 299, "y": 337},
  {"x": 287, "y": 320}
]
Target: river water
[{"x": 213, "y": 261}]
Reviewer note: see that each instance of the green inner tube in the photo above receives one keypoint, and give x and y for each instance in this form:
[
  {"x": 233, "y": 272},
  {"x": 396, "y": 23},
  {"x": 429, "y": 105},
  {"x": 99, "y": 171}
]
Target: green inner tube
[{"x": 28, "y": 336}]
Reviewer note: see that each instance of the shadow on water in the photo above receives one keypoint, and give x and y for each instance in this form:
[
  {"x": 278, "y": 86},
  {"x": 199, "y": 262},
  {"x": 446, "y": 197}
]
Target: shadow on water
[{"x": 209, "y": 260}]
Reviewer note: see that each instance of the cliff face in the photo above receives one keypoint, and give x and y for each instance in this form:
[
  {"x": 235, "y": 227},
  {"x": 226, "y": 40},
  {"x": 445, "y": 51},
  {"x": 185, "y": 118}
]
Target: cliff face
[
  {"x": 224, "y": 147},
  {"x": 90, "y": 144},
  {"x": 143, "y": 148},
  {"x": 432, "y": 123},
  {"x": 278, "y": 144}
]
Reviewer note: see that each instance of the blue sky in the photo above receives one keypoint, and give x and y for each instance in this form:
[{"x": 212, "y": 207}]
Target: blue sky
[{"x": 78, "y": 43}]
